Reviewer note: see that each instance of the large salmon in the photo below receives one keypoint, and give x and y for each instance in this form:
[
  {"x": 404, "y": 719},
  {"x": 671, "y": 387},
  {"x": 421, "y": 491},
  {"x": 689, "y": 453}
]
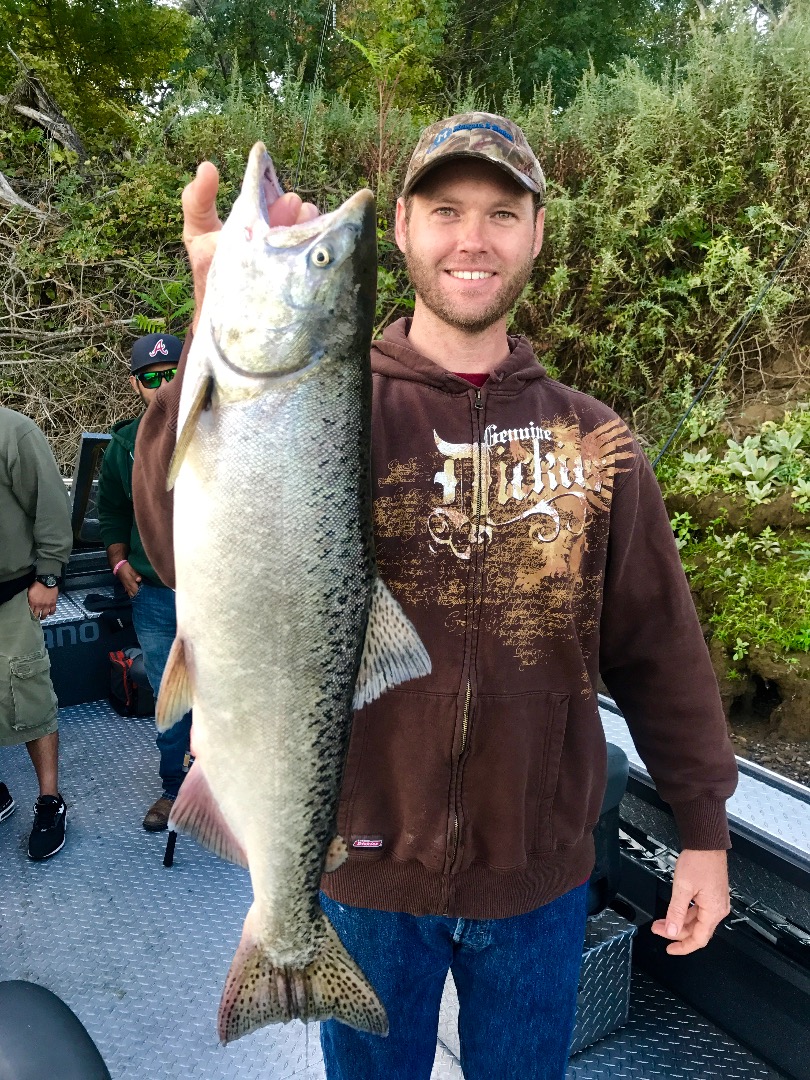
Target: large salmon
[{"x": 282, "y": 623}]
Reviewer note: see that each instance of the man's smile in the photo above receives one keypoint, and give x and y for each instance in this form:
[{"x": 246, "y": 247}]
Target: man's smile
[{"x": 471, "y": 275}]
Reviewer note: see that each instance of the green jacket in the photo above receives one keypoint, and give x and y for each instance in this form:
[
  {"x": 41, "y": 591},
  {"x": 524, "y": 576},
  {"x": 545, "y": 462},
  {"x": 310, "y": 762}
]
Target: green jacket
[
  {"x": 116, "y": 516},
  {"x": 34, "y": 516}
]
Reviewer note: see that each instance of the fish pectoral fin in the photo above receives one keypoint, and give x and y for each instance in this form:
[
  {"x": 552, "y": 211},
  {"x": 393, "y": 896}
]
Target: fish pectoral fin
[
  {"x": 202, "y": 400},
  {"x": 174, "y": 697},
  {"x": 332, "y": 986},
  {"x": 196, "y": 812},
  {"x": 393, "y": 651},
  {"x": 336, "y": 855}
]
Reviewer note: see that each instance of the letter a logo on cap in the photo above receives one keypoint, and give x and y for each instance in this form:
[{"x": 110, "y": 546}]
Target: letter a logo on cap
[{"x": 159, "y": 348}]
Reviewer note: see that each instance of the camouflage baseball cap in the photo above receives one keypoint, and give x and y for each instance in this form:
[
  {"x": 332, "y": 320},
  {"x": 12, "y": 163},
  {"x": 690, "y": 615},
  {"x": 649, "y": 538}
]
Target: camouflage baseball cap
[{"x": 478, "y": 135}]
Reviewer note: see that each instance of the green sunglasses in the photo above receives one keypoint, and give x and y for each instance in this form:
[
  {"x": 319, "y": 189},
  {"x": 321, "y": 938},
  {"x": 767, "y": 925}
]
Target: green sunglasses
[{"x": 152, "y": 379}]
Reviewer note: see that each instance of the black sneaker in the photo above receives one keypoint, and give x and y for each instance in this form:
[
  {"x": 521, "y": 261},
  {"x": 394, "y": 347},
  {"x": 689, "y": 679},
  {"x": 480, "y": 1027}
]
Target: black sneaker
[
  {"x": 7, "y": 804},
  {"x": 48, "y": 834}
]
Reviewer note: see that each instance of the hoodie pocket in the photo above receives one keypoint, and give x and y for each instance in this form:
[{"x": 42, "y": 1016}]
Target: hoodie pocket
[
  {"x": 395, "y": 795},
  {"x": 510, "y": 777}
]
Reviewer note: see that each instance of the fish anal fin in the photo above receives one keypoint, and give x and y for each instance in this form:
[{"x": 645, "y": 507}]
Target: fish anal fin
[
  {"x": 174, "y": 698},
  {"x": 195, "y": 812},
  {"x": 393, "y": 651},
  {"x": 332, "y": 986},
  {"x": 202, "y": 400},
  {"x": 336, "y": 855}
]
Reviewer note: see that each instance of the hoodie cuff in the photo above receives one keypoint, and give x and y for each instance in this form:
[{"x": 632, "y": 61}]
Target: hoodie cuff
[
  {"x": 49, "y": 566},
  {"x": 702, "y": 824}
]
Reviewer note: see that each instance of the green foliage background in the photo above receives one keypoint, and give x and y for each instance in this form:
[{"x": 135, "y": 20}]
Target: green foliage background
[{"x": 677, "y": 151}]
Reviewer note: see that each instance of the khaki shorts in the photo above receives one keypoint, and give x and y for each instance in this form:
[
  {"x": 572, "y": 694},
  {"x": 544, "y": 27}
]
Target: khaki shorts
[{"x": 28, "y": 705}]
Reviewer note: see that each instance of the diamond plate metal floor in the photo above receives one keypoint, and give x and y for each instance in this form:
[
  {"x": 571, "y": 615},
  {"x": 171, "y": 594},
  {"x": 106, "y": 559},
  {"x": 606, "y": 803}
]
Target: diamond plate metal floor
[
  {"x": 665, "y": 1040},
  {"x": 140, "y": 953}
]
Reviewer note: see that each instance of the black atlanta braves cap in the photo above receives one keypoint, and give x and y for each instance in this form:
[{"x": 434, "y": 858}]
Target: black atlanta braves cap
[{"x": 155, "y": 349}]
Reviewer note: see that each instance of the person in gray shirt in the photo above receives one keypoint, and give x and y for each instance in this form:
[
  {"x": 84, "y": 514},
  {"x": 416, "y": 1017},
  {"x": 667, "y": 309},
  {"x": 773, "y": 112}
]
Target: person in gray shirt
[{"x": 35, "y": 542}]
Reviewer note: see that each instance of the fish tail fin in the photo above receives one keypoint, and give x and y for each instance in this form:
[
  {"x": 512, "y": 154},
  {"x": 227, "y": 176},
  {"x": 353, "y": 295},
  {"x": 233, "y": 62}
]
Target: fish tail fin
[
  {"x": 393, "y": 651},
  {"x": 340, "y": 990},
  {"x": 332, "y": 986}
]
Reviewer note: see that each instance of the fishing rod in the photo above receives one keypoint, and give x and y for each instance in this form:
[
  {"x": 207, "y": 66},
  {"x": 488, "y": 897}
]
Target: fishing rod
[
  {"x": 330, "y": 10},
  {"x": 741, "y": 325}
]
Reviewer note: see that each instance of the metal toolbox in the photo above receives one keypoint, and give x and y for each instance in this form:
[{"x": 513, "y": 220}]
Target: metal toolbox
[{"x": 604, "y": 981}]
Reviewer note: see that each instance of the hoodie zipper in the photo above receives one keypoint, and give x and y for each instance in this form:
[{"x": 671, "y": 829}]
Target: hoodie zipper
[
  {"x": 465, "y": 719},
  {"x": 466, "y": 716},
  {"x": 464, "y": 723}
]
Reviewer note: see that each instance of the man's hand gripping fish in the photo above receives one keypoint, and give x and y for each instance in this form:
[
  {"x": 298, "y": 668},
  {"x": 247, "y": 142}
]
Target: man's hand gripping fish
[{"x": 283, "y": 626}]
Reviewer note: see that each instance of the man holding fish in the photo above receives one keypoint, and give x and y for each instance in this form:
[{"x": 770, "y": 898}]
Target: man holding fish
[{"x": 524, "y": 549}]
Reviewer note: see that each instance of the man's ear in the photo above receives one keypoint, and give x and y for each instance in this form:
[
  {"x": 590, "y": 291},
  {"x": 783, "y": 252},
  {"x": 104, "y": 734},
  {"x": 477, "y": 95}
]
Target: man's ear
[
  {"x": 133, "y": 382},
  {"x": 401, "y": 225},
  {"x": 538, "y": 231}
]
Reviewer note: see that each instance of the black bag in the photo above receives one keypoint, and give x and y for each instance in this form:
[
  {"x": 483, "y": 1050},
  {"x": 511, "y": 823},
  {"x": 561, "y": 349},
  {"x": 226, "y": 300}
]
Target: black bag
[
  {"x": 130, "y": 692},
  {"x": 115, "y": 611}
]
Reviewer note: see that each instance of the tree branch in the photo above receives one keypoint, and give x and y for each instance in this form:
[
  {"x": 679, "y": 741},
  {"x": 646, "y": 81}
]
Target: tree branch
[
  {"x": 11, "y": 198},
  {"x": 61, "y": 335},
  {"x": 30, "y": 99}
]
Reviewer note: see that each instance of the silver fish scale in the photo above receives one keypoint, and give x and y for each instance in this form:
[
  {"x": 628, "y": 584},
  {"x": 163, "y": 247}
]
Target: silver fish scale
[
  {"x": 140, "y": 952},
  {"x": 286, "y": 519}
]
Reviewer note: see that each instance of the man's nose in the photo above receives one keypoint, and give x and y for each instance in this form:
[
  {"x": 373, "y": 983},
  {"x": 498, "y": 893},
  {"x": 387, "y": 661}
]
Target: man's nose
[{"x": 473, "y": 235}]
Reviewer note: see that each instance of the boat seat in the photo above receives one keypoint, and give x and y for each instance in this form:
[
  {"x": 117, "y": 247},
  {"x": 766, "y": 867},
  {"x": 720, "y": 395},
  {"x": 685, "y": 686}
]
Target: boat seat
[
  {"x": 604, "y": 880},
  {"x": 40, "y": 1037}
]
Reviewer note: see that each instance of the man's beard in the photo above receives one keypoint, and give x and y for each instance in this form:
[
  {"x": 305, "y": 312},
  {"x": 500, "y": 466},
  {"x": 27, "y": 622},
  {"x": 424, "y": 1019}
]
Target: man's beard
[{"x": 427, "y": 289}]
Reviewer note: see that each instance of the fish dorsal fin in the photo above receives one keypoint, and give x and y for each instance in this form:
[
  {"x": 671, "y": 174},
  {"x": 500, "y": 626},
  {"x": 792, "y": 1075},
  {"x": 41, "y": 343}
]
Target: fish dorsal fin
[
  {"x": 336, "y": 855},
  {"x": 195, "y": 812},
  {"x": 393, "y": 651},
  {"x": 202, "y": 400},
  {"x": 174, "y": 698}
]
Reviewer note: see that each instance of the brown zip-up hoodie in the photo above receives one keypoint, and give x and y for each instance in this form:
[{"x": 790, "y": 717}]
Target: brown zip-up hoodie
[{"x": 523, "y": 531}]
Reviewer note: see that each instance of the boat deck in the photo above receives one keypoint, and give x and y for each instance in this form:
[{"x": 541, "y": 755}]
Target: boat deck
[{"x": 140, "y": 952}]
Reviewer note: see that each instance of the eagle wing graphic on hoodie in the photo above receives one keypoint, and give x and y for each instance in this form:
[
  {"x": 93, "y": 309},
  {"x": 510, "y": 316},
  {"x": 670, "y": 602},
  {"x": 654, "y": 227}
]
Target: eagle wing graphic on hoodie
[{"x": 531, "y": 499}]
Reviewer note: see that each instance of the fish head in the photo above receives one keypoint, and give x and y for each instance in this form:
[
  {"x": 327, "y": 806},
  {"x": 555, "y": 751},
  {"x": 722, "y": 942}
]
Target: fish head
[{"x": 279, "y": 295}]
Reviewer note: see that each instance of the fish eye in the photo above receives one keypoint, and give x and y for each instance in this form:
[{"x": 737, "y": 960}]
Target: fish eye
[{"x": 321, "y": 256}]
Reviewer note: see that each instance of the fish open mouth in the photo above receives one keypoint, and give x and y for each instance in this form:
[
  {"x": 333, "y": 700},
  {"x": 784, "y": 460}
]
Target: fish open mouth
[
  {"x": 262, "y": 187},
  {"x": 284, "y": 289},
  {"x": 261, "y": 181}
]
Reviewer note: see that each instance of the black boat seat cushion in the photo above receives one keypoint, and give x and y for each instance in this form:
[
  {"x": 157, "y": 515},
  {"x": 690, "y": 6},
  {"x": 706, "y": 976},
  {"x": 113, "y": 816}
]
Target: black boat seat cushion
[
  {"x": 604, "y": 880},
  {"x": 41, "y": 1039}
]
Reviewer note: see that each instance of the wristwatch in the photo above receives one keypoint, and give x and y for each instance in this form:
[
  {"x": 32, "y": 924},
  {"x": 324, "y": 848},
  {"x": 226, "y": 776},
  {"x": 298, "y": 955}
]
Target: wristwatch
[{"x": 50, "y": 581}]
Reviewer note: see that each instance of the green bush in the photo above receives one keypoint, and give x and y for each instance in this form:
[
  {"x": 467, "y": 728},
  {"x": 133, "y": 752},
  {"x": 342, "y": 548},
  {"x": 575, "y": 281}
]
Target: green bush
[
  {"x": 670, "y": 200},
  {"x": 753, "y": 591},
  {"x": 763, "y": 466}
]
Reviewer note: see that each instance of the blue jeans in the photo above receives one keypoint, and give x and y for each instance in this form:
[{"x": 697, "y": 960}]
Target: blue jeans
[
  {"x": 517, "y": 988},
  {"x": 153, "y": 617}
]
